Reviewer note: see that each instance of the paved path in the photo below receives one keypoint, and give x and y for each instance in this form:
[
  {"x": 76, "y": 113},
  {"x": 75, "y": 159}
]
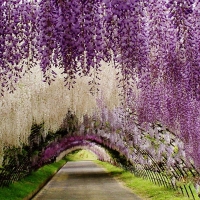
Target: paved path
[{"x": 84, "y": 180}]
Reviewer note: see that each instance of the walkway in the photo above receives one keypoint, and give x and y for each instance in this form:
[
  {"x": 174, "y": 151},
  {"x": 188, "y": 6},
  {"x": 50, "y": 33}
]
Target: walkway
[{"x": 84, "y": 180}]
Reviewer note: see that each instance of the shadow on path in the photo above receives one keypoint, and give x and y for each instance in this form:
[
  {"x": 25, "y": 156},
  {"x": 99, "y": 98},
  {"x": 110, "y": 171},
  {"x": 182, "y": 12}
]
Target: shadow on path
[{"x": 84, "y": 180}]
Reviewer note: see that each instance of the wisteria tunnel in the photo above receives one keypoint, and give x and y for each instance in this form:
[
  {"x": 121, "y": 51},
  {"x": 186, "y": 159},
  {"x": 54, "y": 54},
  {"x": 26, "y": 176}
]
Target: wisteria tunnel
[{"x": 118, "y": 77}]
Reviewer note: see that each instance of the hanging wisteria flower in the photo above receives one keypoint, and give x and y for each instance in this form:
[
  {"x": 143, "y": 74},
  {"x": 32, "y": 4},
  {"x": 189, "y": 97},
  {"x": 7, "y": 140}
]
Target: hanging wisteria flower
[{"x": 154, "y": 45}]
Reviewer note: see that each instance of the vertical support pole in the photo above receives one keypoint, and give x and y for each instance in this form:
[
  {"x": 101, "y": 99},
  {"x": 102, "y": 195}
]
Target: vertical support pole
[
  {"x": 191, "y": 192},
  {"x": 186, "y": 191}
]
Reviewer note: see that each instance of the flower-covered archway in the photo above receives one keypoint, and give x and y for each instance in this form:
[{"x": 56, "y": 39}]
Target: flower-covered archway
[{"x": 151, "y": 51}]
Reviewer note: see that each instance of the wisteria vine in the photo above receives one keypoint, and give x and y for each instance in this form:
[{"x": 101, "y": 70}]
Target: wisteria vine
[{"x": 153, "y": 43}]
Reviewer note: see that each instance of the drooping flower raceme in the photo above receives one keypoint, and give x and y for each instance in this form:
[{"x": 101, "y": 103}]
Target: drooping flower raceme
[{"x": 153, "y": 44}]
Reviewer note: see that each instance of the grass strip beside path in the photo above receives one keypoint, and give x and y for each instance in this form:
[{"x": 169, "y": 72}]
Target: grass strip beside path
[
  {"x": 143, "y": 188},
  {"x": 26, "y": 187}
]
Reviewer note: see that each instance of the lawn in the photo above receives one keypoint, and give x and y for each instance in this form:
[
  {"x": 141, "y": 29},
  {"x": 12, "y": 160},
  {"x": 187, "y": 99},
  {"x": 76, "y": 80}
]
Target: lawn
[{"x": 24, "y": 188}]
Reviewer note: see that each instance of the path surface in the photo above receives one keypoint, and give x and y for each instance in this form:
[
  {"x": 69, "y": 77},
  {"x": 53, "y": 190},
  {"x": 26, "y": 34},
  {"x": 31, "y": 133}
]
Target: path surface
[{"x": 84, "y": 180}]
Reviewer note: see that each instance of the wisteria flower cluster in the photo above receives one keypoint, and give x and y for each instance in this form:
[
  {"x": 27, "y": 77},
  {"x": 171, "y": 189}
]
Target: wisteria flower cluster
[
  {"x": 148, "y": 146},
  {"x": 153, "y": 43},
  {"x": 53, "y": 150}
]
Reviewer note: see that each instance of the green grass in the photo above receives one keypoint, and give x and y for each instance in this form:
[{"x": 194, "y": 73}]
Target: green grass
[
  {"x": 143, "y": 188},
  {"x": 81, "y": 155},
  {"x": 25, "y": 187}
]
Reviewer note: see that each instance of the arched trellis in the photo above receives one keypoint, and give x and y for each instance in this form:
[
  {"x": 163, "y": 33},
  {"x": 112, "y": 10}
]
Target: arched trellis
[
  {"x": 139, "y": 156},
  {"x": 57, "y": 150},
  {"x": 154, "y": 44},
  {"x": 95, "y": 149},
  {"x": 108, "y": 150}
]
